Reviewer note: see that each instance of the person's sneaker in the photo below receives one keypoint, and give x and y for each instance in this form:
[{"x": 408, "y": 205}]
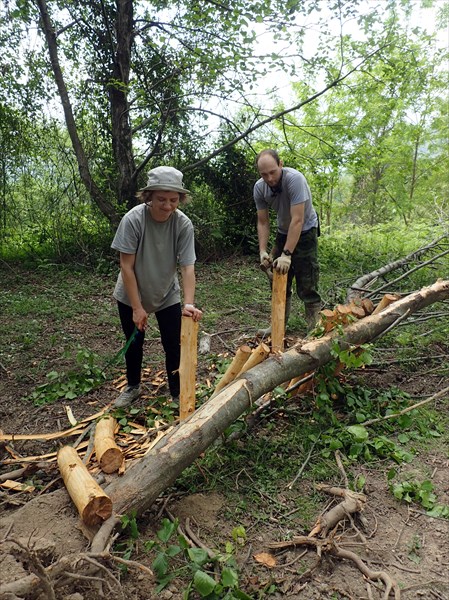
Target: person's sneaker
[{"x": 129, "y": 394}]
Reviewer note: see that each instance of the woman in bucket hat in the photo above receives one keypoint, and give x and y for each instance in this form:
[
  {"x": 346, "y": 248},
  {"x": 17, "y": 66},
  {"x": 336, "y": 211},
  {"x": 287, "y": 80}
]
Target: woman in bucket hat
[{"x": 153, "y": 238}]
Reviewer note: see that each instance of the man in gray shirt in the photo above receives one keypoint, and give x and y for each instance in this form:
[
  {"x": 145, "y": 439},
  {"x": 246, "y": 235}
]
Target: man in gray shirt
[
  {"x": 287, "y": 192},
  {"x": 153, "y": 238}
]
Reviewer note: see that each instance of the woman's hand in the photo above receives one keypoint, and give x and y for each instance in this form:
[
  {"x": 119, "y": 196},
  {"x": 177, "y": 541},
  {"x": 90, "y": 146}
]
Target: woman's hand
[
  {"x": 140, "y": 317},
  {"x": 190, "y": 310}
]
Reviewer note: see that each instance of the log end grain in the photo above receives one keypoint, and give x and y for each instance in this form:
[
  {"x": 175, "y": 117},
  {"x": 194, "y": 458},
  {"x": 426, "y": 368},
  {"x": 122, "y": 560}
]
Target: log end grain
[
  {"x": 97, "y": 510},
  {"x": 111, "y": 460}
]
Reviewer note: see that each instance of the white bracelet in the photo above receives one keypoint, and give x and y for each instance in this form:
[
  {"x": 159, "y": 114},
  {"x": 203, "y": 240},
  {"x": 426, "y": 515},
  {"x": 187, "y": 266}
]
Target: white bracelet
[{"x": 189, "y": 306}]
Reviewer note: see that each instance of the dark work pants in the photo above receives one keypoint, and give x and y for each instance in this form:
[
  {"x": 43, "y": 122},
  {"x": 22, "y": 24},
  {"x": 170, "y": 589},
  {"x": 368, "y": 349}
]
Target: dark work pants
[
  {"x": 169, "y": 321},
  {"x": 304, "y": 266}
]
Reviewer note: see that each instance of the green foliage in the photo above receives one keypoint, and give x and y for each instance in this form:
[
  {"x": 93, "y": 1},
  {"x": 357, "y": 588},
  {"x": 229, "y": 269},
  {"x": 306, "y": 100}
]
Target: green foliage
[
  {"x": 420, "y": 493},
  {"x": 126, "y": 546},
  {"x": 372, "y": 148},
  {"x": 70, "y": 384},
  {"x": 173, "y": 557},
  {"x": 229, "y": 213}
]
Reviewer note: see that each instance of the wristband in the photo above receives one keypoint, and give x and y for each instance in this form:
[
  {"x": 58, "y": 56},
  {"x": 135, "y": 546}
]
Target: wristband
[{"x": 189, "y": 306}]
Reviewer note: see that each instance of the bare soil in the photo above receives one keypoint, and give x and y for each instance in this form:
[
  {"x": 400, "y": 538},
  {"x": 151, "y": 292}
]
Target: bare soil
[{"x": 392, "y": 536}]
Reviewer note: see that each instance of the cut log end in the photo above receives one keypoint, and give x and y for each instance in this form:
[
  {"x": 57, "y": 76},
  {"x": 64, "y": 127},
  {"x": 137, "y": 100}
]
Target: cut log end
[
  {"x": 97, "y": 510},
  {"x": 111, "y": 460}
]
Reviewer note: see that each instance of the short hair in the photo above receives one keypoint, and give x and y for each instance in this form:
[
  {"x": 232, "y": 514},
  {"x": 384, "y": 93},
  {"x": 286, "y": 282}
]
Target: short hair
[
  {"x": 271, "y": 153},
  {"x": 144, "y": 196}
]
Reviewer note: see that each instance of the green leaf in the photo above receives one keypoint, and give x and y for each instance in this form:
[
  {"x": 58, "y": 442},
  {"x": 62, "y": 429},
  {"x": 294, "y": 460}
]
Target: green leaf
[
  {"x": 173, "y": 550},
  {"x": 391, "y": 474},
  {"x": 198, "y": 555},
  {"x": 358, "y": 432},
  {"x": 204, "y": 583},
  {"x": 165, "y": 532},
  {"x": 241, "y": 595},
  {"x": 160, "y": 565},
  {"x": 229, "y": 578}
]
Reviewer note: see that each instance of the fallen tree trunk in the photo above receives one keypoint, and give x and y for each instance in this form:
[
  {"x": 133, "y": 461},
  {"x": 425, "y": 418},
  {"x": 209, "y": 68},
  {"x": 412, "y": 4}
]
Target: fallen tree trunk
[
  {"x": 144, "y": 481},
  {"x": 362, "y": 284}
]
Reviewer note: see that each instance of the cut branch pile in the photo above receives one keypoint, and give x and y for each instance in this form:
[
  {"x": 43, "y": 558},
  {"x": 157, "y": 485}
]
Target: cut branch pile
[{"x": 363, "y": 286}]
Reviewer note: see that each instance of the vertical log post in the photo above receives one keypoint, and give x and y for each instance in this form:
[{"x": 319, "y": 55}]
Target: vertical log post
[
  {"x": 278, "y": 299},
  {"x": 240, "y": 358},
  {"x": 92, "y": 503},
  {"x": 187, "y": 366}
]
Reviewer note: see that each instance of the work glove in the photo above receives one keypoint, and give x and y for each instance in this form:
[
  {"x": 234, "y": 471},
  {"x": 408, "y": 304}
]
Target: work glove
[
  {"x": 282, "y": 264},
  {"x": 265, "y": 260}
]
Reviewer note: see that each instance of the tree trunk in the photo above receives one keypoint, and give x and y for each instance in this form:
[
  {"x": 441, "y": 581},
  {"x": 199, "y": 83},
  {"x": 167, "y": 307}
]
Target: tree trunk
[
  {"x": 144, "y": 481},
  {"x": 96, "y": 194},
  {"x": 362, "y": 284},
  {"x": 120, "y": 109}
]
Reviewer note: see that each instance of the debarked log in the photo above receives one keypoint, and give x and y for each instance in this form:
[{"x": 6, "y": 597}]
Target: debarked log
[
  {"x": 109, "y": 456},
  {"x": 94, "y": 506}
]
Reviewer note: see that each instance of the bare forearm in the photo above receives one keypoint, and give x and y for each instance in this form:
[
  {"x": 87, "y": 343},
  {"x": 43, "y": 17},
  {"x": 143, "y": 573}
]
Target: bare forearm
[
  {"x": 293, "y": 235},
  {"x": 263, "y": 234},
  {"x": 132, "y": 290},
  {"x": 188, "y": 284}
]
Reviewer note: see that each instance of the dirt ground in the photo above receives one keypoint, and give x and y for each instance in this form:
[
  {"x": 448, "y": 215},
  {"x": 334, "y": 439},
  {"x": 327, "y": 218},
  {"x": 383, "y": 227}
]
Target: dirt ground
[{"x": 398, "y": 539}]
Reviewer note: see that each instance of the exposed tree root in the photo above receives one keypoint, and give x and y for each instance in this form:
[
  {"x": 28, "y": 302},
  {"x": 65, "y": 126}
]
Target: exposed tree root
[
  {"x": 84, "y": 566},
  {"x": 329, "y": 546},
  {"x": 353, "y": 502}
]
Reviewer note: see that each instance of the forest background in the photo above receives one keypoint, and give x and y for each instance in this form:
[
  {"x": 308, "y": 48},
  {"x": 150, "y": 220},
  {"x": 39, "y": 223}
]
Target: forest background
[
  {"x": 93, "y": 94},
  {"x": 353, "y": 93}
]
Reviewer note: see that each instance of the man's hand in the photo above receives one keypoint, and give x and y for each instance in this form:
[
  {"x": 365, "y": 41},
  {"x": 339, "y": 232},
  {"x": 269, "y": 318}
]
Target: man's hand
[
  {"x": 282, "y": 264},
  {"x": 265, "y": 260}
]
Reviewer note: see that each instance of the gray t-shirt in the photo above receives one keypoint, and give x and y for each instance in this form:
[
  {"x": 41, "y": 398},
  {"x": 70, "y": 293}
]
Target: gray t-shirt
[
  {"x": 159, "y": 248},
  {"x": 295, "y": 190}
]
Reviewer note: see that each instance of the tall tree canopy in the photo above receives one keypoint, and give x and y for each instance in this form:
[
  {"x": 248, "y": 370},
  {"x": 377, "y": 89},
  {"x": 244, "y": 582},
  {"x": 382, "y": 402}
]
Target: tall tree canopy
[{"x": 144, "y": 83}]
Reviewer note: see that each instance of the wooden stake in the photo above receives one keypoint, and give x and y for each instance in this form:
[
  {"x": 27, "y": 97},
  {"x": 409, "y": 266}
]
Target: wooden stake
[
  {"x": 258, "y": 355},
  {"x": 187, "y": 366},
  {"x": 240, "y": 358},
  {"x": 278, "y": 299},
  {"x": 357, "y": 310},
  {"x": 109, "y": 455},
  {"x": 367, "y": 306},
  {"x": 328, "y": 319},
  {"x": 386, "y": 301},
  {"x": 93, "y": 505}
]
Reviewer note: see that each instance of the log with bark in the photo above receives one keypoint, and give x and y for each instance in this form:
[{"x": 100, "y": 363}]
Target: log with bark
[{"x": 363, "y": 284}]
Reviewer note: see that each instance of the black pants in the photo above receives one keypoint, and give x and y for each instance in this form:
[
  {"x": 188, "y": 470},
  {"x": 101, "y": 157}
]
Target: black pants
[{"x": 169, "y": 322}]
